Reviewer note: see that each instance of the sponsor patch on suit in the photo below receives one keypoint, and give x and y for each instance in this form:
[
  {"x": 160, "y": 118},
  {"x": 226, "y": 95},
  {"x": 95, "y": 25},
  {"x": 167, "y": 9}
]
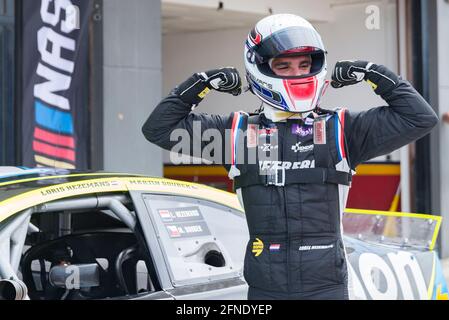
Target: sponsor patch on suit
[
  {"x": 252, "y": 136},
  {"x": 319, "y": 132},
  {"x": 301, "y": 131}
]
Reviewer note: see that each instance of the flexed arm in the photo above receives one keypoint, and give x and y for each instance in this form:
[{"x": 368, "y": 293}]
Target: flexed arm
[
  {"x": 174, "y": 111},
  {"x": 382, "y": 130}
]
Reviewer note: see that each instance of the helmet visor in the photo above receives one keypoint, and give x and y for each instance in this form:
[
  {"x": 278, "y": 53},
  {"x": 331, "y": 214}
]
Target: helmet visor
[{"x": 286, "y": 41}]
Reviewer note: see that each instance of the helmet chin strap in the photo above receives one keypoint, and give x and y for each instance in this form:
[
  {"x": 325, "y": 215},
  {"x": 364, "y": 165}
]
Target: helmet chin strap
[{"x": 276, "y": 115}]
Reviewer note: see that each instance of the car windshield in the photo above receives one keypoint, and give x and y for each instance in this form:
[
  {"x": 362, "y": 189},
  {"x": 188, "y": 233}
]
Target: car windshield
[{"x": 392, "y": 228}]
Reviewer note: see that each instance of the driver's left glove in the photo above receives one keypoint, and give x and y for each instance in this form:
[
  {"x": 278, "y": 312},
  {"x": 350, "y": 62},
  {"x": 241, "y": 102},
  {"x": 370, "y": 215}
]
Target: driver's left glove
[{"x": 348, "y": 72}]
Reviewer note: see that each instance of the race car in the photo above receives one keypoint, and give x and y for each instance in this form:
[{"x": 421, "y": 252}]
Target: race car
[{"x": 80, "y": 236}]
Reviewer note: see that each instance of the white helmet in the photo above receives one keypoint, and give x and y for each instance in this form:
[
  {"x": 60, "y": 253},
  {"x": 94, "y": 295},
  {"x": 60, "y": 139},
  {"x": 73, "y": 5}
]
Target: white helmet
[{"x": 283, "y": 35}]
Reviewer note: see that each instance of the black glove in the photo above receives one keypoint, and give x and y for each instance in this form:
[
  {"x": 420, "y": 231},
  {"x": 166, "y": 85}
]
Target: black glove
[
  {"x": 224, "y": 80},
  {"x": 349, "y": 72},
  {"x": 194, "y": 89}
]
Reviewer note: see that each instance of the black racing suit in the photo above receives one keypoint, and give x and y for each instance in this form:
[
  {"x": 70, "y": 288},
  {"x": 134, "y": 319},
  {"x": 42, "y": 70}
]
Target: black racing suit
[{"x": 295, "y": 249}]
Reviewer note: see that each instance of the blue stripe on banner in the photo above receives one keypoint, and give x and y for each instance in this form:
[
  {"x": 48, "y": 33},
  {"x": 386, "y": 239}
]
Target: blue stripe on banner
[
  {"x": 337, "y": 140},
  {"x": 55, "y": 120}
]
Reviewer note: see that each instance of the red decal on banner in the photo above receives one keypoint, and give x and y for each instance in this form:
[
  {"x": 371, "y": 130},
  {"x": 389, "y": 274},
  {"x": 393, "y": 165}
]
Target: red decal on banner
[
  {"x": 56, "y": 139},
  {"x": 47, "y": 149}
]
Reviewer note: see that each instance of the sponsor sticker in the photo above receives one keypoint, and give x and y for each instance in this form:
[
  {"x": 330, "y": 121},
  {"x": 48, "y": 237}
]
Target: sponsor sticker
[
  {"x": 257, "y": 247},
  {"x": 319, "y": 132},
  {"x": 309, "y": 121},
  {"x": 267, "y": 132},
  {"x": 267, "y": 147},
  {"x": 204, "y": 93},
  {"x": 265, "y": 166},
  {"x": 319, "y": 247},
  {"x": 188, "y": 230},
  {"x": 173, "y": 232},
  {"x": 302, "y": 149},
  {"x": 190, "y": 213},
  {"x": 181, "y": 214},
  {"x": 252, "y": 136},
  {"x": 165, "y": 214},
  {"x": 301, "y": 131},
  {"x": 81, "y": 187}
]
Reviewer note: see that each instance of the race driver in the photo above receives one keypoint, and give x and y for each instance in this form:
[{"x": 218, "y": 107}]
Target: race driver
[{"x": 294, "y": 203}]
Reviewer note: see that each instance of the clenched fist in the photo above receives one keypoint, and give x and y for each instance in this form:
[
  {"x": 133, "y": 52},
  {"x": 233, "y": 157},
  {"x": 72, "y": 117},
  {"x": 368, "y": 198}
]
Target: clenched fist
[
  {"x": 348, "y": 72},
  {"x": 193, "y": 90},
  {"x": 223, "y": 80}
]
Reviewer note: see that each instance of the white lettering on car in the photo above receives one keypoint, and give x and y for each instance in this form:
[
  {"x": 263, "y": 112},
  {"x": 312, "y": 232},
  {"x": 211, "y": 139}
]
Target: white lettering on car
[{"x": 394, "y": 271}]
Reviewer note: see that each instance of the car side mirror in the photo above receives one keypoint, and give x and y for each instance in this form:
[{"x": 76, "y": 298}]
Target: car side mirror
[{"x": 75, "y": 276}]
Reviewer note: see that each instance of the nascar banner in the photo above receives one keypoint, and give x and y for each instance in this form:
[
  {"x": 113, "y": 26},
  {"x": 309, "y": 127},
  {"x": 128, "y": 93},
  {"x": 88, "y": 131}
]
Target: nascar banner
[{"x": 55, "y": 83}]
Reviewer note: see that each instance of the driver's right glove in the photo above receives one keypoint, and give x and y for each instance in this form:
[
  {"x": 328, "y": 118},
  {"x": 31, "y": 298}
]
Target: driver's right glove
[{"x": 193, "y": 90}]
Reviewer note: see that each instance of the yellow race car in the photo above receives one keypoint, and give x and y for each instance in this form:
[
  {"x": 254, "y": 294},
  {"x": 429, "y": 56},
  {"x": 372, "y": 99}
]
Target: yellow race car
[{"x": 81, "y": 236}]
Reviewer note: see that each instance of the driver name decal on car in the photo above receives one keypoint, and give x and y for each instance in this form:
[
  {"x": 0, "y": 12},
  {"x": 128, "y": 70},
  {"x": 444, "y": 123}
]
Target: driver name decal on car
[
  {"x": 184, "y": 222},
  {"x": 188, "y": 230},
  {"x": 181, "y": 214}
]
